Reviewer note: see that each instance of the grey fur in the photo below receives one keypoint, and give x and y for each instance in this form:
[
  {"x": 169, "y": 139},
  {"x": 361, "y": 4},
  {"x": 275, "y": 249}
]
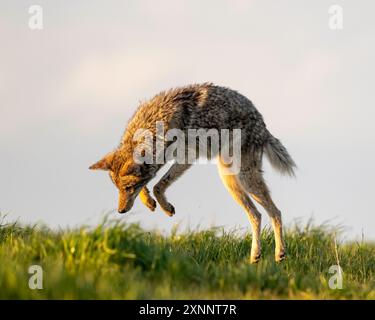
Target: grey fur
[{"x": 279, "y": 156}]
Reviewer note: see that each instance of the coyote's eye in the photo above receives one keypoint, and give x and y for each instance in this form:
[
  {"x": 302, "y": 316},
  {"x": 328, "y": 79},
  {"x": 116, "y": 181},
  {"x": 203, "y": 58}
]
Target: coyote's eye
[{"x": 128, "y": 188}]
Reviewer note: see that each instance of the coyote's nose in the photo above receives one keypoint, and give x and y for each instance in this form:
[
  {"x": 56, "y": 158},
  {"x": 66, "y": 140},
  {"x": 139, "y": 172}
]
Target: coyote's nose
[
  {"x": 122, "y": 210},
  {"x": 125, "y": 204}
]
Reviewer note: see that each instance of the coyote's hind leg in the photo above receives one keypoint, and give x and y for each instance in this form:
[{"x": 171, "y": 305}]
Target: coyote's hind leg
[
  {"x": 239, "y": 194},
  {"x": 147, "y": 199},
  {"x": 254, "y": 183},
  {"x": 174, "y": 172}
]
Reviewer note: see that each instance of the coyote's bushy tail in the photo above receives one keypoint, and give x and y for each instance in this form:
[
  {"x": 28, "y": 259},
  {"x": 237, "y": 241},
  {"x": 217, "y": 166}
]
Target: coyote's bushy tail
[{"x": 279, "y": 156}]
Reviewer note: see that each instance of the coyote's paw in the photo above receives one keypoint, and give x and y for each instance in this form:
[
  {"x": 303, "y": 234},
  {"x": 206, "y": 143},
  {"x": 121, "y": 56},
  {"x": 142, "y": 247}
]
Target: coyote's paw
[
  {"x": 281, "y": 256},
  {"x": 255, "y": 259},
  {"x": 151, "y": 204},
  {"x": 168, "y": 209},
  {"x": 164, "y": 204}
]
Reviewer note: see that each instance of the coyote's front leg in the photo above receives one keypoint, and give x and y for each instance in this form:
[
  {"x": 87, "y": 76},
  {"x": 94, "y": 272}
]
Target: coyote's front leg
[
  {"x": 172, "y": 175},
  {"x": 147, "y": 199}
]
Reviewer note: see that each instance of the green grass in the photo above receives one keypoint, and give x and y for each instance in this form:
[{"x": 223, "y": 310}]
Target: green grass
[{"x": 122, "y": 261}]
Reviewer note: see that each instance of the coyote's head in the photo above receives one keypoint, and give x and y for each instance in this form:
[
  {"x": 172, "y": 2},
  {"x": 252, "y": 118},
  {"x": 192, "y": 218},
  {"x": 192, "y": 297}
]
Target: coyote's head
[{"x": 128, "y": 176}]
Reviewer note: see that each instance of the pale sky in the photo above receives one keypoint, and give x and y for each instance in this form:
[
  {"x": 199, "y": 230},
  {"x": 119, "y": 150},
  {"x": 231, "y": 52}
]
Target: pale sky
[{"x": 68, "y": 90}]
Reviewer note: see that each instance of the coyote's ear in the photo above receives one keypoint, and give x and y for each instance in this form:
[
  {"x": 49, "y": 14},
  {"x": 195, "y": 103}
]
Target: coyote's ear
[{"x": 105, "y": 163}]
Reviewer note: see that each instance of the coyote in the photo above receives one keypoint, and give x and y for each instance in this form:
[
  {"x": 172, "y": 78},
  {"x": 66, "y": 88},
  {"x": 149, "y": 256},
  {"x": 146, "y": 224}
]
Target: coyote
[{"x": 210, "y": 107}]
